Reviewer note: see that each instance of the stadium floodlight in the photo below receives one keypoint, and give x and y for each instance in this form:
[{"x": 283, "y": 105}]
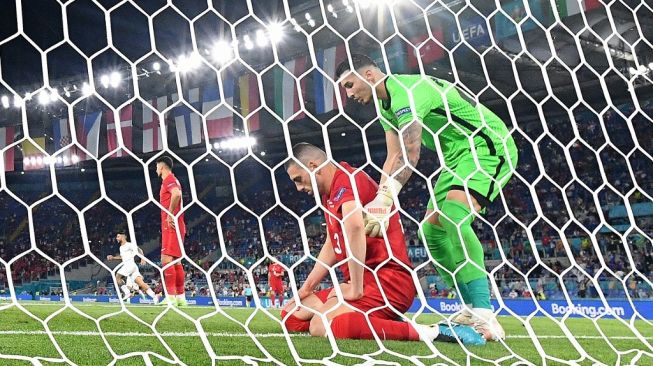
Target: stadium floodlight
[
  {"x": 65, "y": 160},
  {"x": 47, "y": 160},
  {"x": 275, "y": 31},
  {"x": 32, "y": 160},
  {"x": 39, "y": 160},
  {"x": 5, "y": 101},
  {"x": 17, "y": 101},
  {"x": 216, "y": 145},
  {"x": 82, "y": 170},
  {"x": 59, "y": 160},
  {"x": 53, "y": 95},
  {"x": 248, "y": 42},
  {"x": 114, "y": 79},
  {"x": 642, "y": 69},
  {"x": 28, "y": 96},
  {"x": 25, "y": 161},
  {"x": 222, "y": 52},
  {"x": 330, "y": 8},
  {"x": 650, "y": 66},
  {"x": 262, "y": 153},
  {"x": 44, "y": 97},
  {"x": 308, "y": 16},
  {"x": 311, "y": 23},
  {"x": 74, "y": 159},
  {"x": 156, "y": 66},
  {"x": 86, "y": 89},
  {"x": 261, "y": 39},
  {"x": 632, "y": 71},
  {"x": 104, "y": 80}
]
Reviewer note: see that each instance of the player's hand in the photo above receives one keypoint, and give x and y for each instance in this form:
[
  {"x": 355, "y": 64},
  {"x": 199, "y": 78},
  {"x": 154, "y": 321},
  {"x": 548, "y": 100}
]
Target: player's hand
[
  {"x": 376, "y": 213},
  {"x": 304, "y": 292},
  {"x": 143, "y": 262},
  {"x": 350, "y": 292},
  {"x": 170, "y": 220},
  {"x": 109, "y": 257}
]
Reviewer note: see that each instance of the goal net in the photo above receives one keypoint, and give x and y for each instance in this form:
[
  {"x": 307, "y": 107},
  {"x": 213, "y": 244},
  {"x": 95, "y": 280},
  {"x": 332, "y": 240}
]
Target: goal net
[{"x": 94, "y": 92}]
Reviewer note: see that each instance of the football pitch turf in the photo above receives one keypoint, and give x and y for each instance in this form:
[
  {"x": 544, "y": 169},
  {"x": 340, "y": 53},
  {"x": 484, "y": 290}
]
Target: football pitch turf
[{"x": 238, "y": 336}]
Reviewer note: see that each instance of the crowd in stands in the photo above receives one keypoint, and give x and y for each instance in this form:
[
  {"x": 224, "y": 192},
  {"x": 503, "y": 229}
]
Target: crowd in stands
[{"x": 537, "y": 236}]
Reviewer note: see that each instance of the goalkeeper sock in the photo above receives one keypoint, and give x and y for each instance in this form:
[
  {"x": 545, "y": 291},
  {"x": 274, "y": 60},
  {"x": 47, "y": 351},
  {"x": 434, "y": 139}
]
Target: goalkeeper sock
[
  {"x": 438, "y": 243},
  {"x": 479, "y": 290},
  {"x": 353, "y": 325},
  {"x": 457, "y": 222},
  {"x": 170, "y": 277},
  {"x": 150, "y": 293},
  {"x": 465, "y": 297},
  {"x": 180, "y": 277}
]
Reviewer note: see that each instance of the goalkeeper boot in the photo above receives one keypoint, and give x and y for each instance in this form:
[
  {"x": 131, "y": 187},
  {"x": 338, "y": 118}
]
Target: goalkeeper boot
[
  {"x": 464, "y": 317},
  {"x": 156, "y": 299},
  {"x": 487, "y": 324},
  {"x": 468, "y": 335}
]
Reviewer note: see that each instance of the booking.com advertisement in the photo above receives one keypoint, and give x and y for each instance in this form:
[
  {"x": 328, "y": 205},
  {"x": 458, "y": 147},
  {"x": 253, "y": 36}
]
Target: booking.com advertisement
[{"x": 556, "y": 308}]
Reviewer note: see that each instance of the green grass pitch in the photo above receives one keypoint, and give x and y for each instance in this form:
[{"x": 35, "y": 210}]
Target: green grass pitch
[{"x": 245, "y": 336}]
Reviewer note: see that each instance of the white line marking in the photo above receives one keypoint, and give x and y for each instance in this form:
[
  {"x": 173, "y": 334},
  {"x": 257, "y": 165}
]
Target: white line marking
[{"x": 257, "y": 335}]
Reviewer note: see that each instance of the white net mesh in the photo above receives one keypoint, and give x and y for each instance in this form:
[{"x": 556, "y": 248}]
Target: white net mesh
[{"x": 94, "y": 92}]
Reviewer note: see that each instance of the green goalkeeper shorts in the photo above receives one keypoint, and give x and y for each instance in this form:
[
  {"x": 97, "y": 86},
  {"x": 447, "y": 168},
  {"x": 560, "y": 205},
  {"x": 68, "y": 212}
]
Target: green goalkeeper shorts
[{"x": 483, "y": 181}]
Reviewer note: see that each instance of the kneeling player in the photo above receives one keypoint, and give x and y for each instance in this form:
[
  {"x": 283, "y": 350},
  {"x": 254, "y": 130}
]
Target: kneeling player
[
  {"x": 361, "y": 291},
  {"x": 129, "y": 270}
]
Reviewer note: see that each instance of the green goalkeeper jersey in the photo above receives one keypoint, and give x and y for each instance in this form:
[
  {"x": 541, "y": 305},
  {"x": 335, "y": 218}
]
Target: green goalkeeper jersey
[{"x": 432, "y": 99}]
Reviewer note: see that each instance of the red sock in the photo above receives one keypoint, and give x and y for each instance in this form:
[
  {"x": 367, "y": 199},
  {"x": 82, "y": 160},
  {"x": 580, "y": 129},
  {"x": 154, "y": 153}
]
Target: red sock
[
  {"x": 353, "y": 325},
  {"x": 271, "y": 299},
  {"x": 281, "y": 300},
  {"x": 170, "y": 279},
  {"x": 294, "y": 324},
  {"x": 180, "y": 279}
]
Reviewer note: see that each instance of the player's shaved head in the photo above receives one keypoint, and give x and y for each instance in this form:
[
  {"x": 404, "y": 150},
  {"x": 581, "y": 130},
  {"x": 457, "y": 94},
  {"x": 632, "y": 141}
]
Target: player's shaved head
[
  {"x": 305, "y": 152},
  {"x": 165, "y": 160},
  {"x": 358, "y": 61}
]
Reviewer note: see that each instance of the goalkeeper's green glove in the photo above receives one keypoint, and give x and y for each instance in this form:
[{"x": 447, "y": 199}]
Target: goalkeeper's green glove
[{"x": 378, "y": 211}]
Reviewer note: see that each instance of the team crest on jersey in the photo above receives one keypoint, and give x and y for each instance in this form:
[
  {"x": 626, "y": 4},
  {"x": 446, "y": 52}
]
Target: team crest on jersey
[
  {"x": 339, "y": 194},
  {"x": 402, "y": 111}
]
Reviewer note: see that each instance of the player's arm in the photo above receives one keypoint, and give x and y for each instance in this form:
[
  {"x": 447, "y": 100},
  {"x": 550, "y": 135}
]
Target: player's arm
[
  {"x": 399, "y": 159},
  {"x": 326, "y": 257},
  {"x": 175, "y": 198},
  {"x": 355, "y": 232},
  {"x": 140, "y": 252},
  {"x": 114, "y": 257}
]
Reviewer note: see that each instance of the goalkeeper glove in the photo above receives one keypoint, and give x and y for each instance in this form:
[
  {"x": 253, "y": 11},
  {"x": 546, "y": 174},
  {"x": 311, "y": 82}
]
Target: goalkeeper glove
[{"x": 378, "y": 211}]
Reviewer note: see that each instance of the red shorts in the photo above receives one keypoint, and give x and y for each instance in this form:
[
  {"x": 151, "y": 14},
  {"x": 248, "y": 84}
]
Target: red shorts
[
  {"x": 276, "y": 285},
  {"x": 398, "y": 287},
  {"x": 169, "y": 243}
]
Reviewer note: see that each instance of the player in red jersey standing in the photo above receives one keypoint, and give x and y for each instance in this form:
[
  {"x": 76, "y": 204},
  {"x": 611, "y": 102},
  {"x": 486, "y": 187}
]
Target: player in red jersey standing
[
  {"x": 275, "y": 279},
  {"x": 170, "y": 198},
  {"x": 365, "y": 285}
]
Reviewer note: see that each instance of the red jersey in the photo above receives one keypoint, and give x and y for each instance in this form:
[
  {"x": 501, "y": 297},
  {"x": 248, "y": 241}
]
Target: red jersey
[
  {"x": 377, "y": 250},
  {"x": 275, "y": 267},
  {"x": 165, "y": 195}
]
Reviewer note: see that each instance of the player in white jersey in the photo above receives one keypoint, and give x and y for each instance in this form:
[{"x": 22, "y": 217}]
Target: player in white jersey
[{"x": 128, "y": 272}]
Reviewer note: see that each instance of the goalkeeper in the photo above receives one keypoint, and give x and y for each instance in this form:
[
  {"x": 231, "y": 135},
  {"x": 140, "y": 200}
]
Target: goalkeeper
[{"x": 479, "y": 157}]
